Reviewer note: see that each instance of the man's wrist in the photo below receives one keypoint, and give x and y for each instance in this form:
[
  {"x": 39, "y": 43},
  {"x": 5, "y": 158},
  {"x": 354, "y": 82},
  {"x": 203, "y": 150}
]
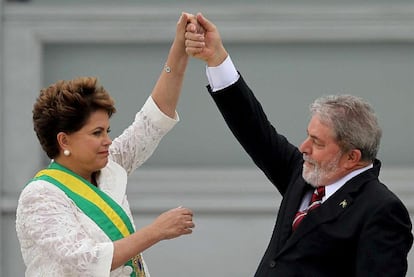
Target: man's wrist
[{"x": 218, "y": 59}]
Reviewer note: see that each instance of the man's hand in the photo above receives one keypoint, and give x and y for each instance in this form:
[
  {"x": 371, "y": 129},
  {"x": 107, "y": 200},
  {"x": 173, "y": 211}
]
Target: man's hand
[{"x": 203, "y": 41}]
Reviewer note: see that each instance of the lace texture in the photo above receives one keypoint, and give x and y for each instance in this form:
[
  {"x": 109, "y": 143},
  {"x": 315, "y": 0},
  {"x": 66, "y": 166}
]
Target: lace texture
[{"x": 57, "y": 238}]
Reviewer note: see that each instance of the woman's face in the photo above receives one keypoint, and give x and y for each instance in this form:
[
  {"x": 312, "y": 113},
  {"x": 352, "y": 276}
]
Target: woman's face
[{"x": 89, "y": 146}]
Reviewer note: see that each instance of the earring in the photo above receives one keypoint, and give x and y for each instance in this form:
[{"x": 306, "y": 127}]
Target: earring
[{"x": 66, "y": 152}]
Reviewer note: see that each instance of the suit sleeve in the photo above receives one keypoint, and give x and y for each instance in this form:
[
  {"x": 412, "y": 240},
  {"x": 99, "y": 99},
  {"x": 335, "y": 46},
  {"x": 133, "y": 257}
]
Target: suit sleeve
[{"x": 270, "y": 151}]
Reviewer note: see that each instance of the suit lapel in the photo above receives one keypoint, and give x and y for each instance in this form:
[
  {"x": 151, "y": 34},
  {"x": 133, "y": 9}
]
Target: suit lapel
[
  {"x": 328, "y": 211},
  {"x": 293, "y": 200}
]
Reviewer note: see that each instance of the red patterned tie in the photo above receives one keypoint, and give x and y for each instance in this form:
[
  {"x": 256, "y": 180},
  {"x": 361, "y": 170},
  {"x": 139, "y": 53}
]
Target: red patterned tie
[{"x": 315, "y": 202}]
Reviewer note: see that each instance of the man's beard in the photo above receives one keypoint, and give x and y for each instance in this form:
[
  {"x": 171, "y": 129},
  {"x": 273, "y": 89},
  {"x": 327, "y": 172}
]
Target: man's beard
[{"x": 319, "y": 174}]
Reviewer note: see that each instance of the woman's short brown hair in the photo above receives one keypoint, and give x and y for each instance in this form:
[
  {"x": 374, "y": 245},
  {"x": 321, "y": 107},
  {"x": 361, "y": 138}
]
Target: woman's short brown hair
[{"x": 65, "y": 106}]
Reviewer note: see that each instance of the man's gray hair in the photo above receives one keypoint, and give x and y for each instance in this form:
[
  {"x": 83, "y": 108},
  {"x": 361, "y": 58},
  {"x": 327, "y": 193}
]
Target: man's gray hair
[{"x": 353, "y": 121}]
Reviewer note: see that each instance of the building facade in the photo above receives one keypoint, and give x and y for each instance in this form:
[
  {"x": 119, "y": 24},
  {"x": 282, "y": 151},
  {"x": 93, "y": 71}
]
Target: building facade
[{"x": 289, "y": 54}]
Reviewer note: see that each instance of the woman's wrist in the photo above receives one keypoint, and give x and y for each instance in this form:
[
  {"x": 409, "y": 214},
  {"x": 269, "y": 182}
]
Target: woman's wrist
[{"x": 177, "y": 61}]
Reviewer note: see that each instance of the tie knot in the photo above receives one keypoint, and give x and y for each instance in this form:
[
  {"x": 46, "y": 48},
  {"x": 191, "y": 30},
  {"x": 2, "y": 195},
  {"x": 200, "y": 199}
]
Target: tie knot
[{"x": 318, "y": 194}]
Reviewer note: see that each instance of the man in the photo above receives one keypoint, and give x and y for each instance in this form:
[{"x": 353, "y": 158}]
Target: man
[{"x": 356, "y": 226}]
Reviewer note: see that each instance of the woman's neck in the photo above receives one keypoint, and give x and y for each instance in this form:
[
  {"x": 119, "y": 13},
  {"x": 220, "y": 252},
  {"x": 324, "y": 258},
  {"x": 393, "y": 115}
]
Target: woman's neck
[{"x": 87, "y": 175}]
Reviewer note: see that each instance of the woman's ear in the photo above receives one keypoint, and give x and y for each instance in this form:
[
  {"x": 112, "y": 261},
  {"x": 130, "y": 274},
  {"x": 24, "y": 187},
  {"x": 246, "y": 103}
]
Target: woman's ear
[{"x": 62, "y": 140}]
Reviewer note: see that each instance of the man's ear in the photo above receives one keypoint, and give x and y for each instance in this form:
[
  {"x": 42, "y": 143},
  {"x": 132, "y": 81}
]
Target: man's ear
[{"x": 353, "y": 158}]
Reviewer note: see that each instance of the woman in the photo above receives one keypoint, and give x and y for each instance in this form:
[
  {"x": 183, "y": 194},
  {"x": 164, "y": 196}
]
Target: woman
[{"x": 73, "y": 218}]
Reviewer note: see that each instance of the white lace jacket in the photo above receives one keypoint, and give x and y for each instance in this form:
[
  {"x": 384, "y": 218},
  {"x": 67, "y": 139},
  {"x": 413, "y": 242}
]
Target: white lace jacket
[{"x": 56, "y": 237}]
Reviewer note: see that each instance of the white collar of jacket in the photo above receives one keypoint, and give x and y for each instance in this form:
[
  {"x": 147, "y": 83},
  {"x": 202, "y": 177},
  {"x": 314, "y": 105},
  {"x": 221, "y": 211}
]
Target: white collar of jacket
[{"x": 113, "y": 181}]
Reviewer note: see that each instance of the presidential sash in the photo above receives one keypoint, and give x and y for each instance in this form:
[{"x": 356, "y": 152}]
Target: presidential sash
[{"x": 96, "y": 204}]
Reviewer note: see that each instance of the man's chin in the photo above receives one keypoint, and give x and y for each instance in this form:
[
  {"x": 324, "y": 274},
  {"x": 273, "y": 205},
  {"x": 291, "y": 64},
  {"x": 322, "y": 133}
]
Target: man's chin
[
  {"x": 306, "y": 172},
  {"x": 308, "y": 179}
]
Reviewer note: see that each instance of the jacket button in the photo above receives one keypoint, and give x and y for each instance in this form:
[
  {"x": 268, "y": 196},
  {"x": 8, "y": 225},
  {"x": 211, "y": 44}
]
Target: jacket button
[{"x": 272, "y": 264}]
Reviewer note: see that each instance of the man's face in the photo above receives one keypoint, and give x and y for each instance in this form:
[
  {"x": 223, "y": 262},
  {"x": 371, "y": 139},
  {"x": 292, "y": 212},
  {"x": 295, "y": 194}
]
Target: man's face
[{"x": 322, "y": 155}]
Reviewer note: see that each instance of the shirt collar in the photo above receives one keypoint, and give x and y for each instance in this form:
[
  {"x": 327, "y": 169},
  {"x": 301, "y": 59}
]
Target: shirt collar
[{"x": 332, "y": 188}]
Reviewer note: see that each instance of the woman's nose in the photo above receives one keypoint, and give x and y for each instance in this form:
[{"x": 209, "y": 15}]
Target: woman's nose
[{"x": 108, "y": 140}]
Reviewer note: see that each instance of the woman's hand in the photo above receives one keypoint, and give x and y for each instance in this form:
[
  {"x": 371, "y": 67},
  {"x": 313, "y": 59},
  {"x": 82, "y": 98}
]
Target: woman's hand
[
  {"x": 173, "y": 223},
  {"x": 168, "y": 225}
]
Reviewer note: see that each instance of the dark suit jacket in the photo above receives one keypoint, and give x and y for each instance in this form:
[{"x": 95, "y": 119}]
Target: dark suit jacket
[{"x": 363, "y": 229}]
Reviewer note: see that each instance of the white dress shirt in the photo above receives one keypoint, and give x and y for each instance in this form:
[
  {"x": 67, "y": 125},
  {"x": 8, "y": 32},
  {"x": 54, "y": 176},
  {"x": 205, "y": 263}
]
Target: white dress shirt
[{"x": 223, "y": 75}]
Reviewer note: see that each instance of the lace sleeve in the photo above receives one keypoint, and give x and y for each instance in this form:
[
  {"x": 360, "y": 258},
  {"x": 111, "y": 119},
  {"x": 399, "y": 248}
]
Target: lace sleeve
[
  {"x": 56, "y": 237},
  {"x": 137, "y": 143}
]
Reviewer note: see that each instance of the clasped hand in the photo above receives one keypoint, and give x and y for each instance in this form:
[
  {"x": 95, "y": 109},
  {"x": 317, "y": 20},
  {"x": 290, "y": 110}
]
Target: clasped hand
[{"x": 203, "y": 41}]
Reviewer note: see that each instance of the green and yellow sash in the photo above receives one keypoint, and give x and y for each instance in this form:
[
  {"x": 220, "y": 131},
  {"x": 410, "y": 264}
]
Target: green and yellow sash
[{"x": 96, "y": 204}]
